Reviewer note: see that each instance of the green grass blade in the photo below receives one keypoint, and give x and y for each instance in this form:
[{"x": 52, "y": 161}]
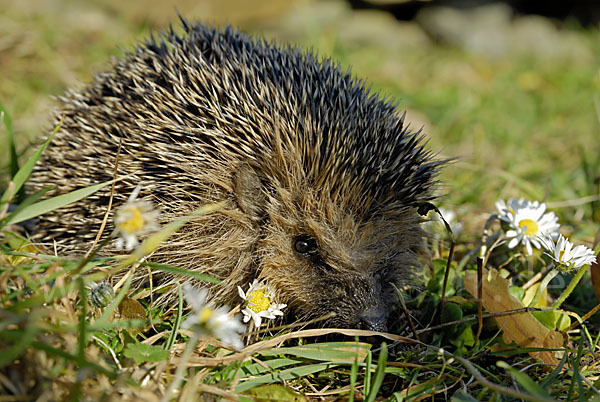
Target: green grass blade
[
  {"x": 21, "y": 337},
  {"x": 338, "y": 352},
  {"x": 70, "y": 357},
  {"x": 575, "y": 362},
  {"x": 552, "y": 376},
  {"x": 38, "y": 299},
  {"x": 171, "y": 269},
  {"x": 379, "y": 373},
  {"x": 53, "y": 203},
  {"x": 268, "y": 365},
  {"x": 353, "y": 375},
  {"x": 462, "y": 397},
  {"x": 29, "y": 201},
  {"x": 367, "y": 381},
  {"x": 177, "y": 322},
  {"x": 14, "y": 159},
  {"x": 524, "y": 380},
  {"x": 121, "y": 324},
  {"x": 24, "y": 339},
  {"x": 153, "y": 241},
  {"x": 81, "y": 338},
  {"x": 284, "y": 375},
  {"x": 21, "y": 176}
]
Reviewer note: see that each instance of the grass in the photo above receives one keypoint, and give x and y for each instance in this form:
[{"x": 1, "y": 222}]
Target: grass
[{"x": 521, "y": 126}]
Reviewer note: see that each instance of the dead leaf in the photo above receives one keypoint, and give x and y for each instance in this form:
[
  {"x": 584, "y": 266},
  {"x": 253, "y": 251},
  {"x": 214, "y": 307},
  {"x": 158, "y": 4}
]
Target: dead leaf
[
  {"x": 131, "y": 309},
  {"x": 522, "y": 328}
]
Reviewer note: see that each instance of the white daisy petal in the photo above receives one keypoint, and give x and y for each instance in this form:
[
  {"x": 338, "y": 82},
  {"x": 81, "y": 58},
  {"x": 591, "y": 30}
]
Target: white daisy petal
[
  {"x": 528, "y": 248},
  {"x": 258, "y": 303},
  {"x": 565, "y": 255},
  {"x": 257, "y": 320},
  {"x": 547, "y": 242},
  {"x": 513, "y": 243},
  {"x": 241, "y": 293},
  {"x": 196, "y": 298},
  {"x": 207, "y": 319},
  {"x": 512, "y": 233}
]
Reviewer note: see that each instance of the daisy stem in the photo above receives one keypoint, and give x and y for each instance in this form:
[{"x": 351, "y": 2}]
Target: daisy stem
[
  {"x": 181, "y": 366},
  {"x": 570, "y": 288},
  {"x": 485, "y": 235},
  {"x": 543, "y": 285}
]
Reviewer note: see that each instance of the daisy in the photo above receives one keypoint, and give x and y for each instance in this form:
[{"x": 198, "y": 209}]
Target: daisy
[
  {"x": 258, "y": 303},
  {"x": 527, "y": 221},
  {"x": 565, "y": 255},
  {"x": 208, "y": 320},
  {"x": 133, "y": 219},
  {"x": 506, "y": 210}
]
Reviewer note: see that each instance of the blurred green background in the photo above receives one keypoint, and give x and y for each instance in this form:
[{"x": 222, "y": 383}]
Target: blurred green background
[{"x": 514, "y": 98}]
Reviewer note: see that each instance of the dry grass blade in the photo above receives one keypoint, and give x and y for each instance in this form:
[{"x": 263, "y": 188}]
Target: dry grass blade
[{"x": 307, "y": 333}]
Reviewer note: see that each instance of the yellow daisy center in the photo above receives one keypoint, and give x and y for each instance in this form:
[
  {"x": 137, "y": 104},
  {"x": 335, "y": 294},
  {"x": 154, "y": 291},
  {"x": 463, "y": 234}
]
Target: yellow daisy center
[
  {"x": 135, "y": 223},
  {"x": 205, "y": 314},
  {"x": 532, "y": 227},
  {"x": 257, "y": 301}
]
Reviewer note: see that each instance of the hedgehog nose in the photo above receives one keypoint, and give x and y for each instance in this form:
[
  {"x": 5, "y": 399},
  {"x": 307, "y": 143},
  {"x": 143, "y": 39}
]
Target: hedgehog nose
[{"x": 374, "y": 319}]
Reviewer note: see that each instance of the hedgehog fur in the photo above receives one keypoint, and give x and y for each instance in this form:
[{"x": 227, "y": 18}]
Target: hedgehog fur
[{"x": 321, "y": 177}]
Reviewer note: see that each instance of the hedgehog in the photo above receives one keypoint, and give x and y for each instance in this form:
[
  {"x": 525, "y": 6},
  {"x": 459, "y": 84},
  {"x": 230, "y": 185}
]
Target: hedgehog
[{"x": 321, "y": 177}]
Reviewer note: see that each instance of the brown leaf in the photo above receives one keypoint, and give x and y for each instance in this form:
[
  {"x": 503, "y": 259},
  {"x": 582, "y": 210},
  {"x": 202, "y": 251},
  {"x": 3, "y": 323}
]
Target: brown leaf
[
  {"x": 522, "y": 328},
  {"x": 131, "y": 309}
]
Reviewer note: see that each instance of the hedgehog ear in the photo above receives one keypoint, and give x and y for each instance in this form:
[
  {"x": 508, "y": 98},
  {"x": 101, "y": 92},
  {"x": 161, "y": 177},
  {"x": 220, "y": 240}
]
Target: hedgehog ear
[{"x": 249, "y": 192}]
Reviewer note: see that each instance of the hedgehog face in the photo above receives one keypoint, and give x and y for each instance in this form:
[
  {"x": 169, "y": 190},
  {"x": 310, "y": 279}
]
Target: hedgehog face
[{"x": 322, "y": 258}]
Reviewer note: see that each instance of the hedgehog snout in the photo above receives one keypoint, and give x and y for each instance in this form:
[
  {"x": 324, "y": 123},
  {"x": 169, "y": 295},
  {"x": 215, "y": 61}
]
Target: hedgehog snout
[
  {"x": 374, "y": 316},
  {"x": 374, "y": 319}
]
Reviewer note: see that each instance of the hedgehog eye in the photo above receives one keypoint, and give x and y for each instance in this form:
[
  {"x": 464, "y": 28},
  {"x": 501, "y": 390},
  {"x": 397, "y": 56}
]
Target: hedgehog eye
[{"x": 305, "y": 245}]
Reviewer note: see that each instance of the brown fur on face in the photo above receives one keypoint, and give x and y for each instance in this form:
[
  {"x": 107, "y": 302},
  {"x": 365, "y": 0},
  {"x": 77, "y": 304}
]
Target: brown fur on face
[
  {"x": 353, "y": 267},
  {"x": 321, "y": 177},
  {"x": 355, "y": 263}
]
